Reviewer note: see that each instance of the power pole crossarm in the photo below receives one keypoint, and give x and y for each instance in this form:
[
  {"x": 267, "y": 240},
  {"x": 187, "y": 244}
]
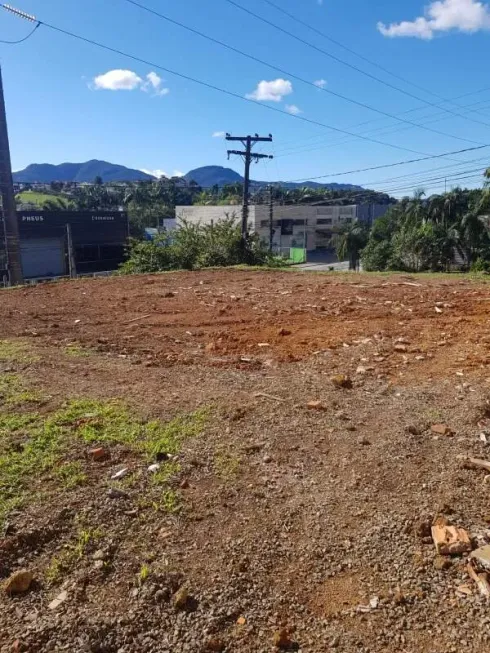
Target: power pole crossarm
[{"x": 248, "y": 142}]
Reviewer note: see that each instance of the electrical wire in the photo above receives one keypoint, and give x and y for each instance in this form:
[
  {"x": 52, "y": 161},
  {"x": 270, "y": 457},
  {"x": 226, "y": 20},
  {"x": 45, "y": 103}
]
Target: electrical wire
[
  {"x": 345, "y": 63},
  {"x": 226, "y": 91},
  {"x": 385, "y": 165},
  {"x": 25, "y": 37},
  {"x": 235, "y": 95},
  {"x": 368, "y": 122},
  {"x": 382, "y": 131},
  {"x": 350, "y": 50},
  {"x": 297, "y": 77}
]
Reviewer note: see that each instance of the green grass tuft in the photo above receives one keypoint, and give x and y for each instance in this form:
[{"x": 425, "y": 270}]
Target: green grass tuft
[
  {"x": 71, "y": 474},
  {"x": 33, "y": 446},
  {"x": 16, "y": 351},
  {"x": 72, "y": 553},
  {"x": 77, "y": 351},
  {"x": 226, "y": 465}
]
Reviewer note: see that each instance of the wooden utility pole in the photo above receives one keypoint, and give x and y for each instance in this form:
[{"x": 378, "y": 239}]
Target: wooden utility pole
[
  {"x": 271, "y": 218},
  {"x": 248, "y": 142},
  {"x": 9, "y": 215}
]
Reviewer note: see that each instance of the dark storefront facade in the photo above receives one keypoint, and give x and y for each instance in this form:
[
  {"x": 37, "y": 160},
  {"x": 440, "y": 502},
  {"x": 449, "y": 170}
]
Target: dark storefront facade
[{"x": 98, "y": 240}]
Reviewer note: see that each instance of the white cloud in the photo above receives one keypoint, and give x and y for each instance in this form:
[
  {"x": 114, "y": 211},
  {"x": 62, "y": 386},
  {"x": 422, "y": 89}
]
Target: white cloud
[
  {"x": 321, "y": 83},
  {"x": 442, "y": 16},
  {"x": 161, "y": 173},
  {"x": 293, "y": 109},
  {"x": 155, "y": 173},
  {"x": 118, "y": 80},
  {"x": 272, "y": 91},
  {"x": 219, "y": 134},
  {"x": 154, "y": 83},
  {"x": 127, "y": 80}
]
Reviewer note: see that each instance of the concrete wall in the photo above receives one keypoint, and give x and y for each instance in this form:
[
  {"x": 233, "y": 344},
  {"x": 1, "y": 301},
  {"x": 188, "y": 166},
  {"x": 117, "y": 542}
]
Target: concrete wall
[{"x": 207, "y": 214}]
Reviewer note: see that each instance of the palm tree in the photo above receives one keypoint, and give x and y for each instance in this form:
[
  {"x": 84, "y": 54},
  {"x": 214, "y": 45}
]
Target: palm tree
[{"x": 349, "y": 242}]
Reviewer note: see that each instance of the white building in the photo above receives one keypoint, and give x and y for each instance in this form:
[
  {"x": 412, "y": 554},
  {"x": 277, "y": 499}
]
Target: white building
[{"x": 304, "y": 226}]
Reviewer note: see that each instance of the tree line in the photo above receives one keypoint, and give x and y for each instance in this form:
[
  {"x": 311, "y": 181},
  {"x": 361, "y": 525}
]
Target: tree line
[{"x": 422, "y": 233}]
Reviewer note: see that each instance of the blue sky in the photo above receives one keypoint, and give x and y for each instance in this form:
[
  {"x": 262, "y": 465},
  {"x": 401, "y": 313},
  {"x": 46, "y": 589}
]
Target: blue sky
[{"x": 65, "y": 101}]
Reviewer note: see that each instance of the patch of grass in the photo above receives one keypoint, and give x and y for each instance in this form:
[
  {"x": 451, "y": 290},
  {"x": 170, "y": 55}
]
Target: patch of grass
[
  {"x": 77, "y": 351},
  {"x": 144, "y": 573},
  {"x": 32, "y": 445},
  {"x": 40, "y": 199},
  {"x": 165, "y": 473},
  {"x": 226, "y": 465},
  {"x": 72, "y": 553},
  {"x": 111, "y": 422},
  {"x": 14, "y": 393},
  {"x": 170, "y": 501},
  {"x": 168, "y": 438},
  {"x": 16, "y": 351},
  {"x": 71, "y": 474}
]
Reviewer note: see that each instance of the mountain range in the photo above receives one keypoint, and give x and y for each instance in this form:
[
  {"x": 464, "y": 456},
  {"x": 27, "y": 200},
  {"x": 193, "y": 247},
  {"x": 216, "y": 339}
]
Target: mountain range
[
  {"x": 79, "y": 172},
  {"x": 208, "y": 176},
  {"x": 205, "y": 176}
]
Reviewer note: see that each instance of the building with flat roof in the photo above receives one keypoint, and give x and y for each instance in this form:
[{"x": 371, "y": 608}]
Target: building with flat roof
[
  {"x": 309, "y": 227},
  {"x": 98, "y": 240}
]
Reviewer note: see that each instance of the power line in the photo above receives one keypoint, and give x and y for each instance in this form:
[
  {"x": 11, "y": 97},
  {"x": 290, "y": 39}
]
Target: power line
[
  {"x": 368, "y": 122},
  {"x": 387, "y": 165},
  {"x": 294, "y": 76},
  {"x": 345, "y": 63},
  {"x": 22, "y": 40},
  {"x": 383, "y": 131},
  {"x": 224, "y": 91},
  {"x": 350, "y": 50},
  {"x": 270, "y": 108}
]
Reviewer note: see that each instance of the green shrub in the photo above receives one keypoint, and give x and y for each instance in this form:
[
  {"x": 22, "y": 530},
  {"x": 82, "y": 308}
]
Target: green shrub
[{"x": 194, "y": 246}]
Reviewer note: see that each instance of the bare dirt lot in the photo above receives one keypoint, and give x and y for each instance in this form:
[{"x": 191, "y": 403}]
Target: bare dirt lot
[{"x": 242, "y": 519}]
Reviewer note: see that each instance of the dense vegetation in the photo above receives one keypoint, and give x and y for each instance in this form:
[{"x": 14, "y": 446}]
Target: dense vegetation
[
  {"x": 148, "y": 203},
  {"x": 420, "y": 233},
  {"x": 194, "y": 246}
]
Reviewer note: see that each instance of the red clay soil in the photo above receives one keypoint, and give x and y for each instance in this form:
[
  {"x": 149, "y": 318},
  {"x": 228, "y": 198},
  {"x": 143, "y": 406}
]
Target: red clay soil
[{"x": 312, "y": 523}]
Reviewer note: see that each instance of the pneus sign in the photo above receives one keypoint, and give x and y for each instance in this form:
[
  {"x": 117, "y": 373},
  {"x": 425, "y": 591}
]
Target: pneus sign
[{"x": 33, "y": 218}]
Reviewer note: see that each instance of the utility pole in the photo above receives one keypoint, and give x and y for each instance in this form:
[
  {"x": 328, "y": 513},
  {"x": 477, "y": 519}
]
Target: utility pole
[
  {"x": 271, "y": 218},
  {"x": 248, "y": 142},
  {"x": 9, "y": 215},
  {"x": 72, "y": 266}
]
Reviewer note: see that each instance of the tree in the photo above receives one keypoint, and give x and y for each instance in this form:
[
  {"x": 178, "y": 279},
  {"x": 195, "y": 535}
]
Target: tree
[{"x": 349, "y": 242}]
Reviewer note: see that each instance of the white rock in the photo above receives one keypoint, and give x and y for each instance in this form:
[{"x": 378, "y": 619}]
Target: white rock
[
  {"x": 120, "y": 474},
  {"x": 154, "y": 468},
  {"x": 61, "y": 598}
]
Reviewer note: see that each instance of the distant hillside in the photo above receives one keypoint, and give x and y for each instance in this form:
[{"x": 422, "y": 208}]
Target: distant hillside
[
  {"x": 212, "y": 175},
  {"x": 79, "y": 172},
  {"x": 208, "y": 176}
]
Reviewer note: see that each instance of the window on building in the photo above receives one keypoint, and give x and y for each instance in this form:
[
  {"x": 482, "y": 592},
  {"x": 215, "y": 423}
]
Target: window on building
[
  {"x": 346, "y": 210},
  {"x": 287, "y": 227},
  {"x": 300, "y": 222},
  {"x": 324, "y": 221},
  {"x": 264, "y": 223}
]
